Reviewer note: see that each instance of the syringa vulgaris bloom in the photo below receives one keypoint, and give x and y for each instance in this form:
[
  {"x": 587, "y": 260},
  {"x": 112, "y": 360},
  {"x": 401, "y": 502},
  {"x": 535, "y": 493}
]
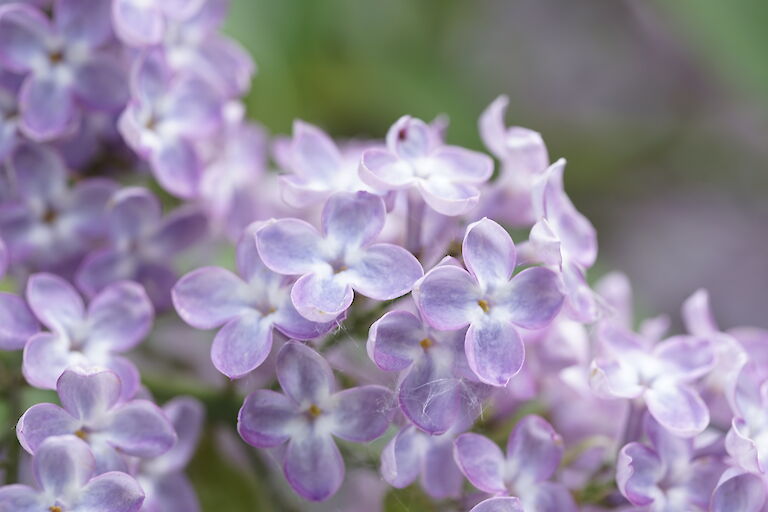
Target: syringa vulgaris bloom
[
  {"x": 65, "y": 471},
  {"x": 534, "y": 451},
  {"x": 489, "y": 300},
  {"x": 115, "y": 321},
  {"x": 446, "y": 177},
  {"x": 307, "y": 416},
  {"x": 91, "y": 410},
  {"x": 666, "y": 475},
  {"x": 247, "y": 307},
  {"x": 66, "y": 62},
  {"x": 747, "y": 439},
  {"x": 340, "y": 259}
]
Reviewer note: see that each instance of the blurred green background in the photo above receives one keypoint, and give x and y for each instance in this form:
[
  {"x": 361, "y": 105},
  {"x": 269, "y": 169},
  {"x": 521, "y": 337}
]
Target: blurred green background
[{"x": 661, "y": 108}]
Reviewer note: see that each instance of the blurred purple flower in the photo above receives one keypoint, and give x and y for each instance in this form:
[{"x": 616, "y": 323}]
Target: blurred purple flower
[
  {"x": 65, "y": 471},
  {"x": 142, "y": 244},
  {"x": 499, "y": 504},
  {"x": 64, "y": 61},
  {"x": 116, "y": 320},
  {"x": 739, "y": 491},
  {"x": 9, "y": 112},
  {"x": 308, "y": 415},
  {"x": 447, "y": 177},
  {"x": 248, "y": 307},
  {"x": 340, "y": 259},
  {"x": 17, "y": 323},
  {"x": 488, "y": 299}
]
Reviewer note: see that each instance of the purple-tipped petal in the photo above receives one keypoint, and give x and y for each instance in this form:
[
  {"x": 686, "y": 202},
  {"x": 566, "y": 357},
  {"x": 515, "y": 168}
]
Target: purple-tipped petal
[
  {"x": 492, "y": 128},
  {"x": 39, "y": 171},
  {"x": 208, "y": 297},
  {"x": 265, "y": 418},
  {"x": 46, "y": 356},
  {"x": 534, "y": 450},
  {"x": 86, "y": 395},
  {"x": 120, "y": 316},
  {"x": 740, "y": 493},
  {"x": 303, "y": 374},
  {"x": 385, "y": 272},
  {"x": 481, "y": 461},
  {"x": 495, "y": 351},
  {"x": 321, "y": 298},
  {"x": 289, "y": 246},
  {"x": 638, "y": 471},
  {"x": 113, "y": 491},
  {"x": 400, "y": 459},
  {"x": 55, "y": 302},
  {"x": 447, "y": 297},
  {"x": 47, "y": 108},
  {"x": 42, "y": 421},
  {"x": 393, "y": 340},
  {"x": 22, "y": 37},
  {"x": 500, "y": 504},
  {"x": 21, "y": 498},
  {"x": 314, "y": 467},
  {"x": 242, "y": 345},
  {"x": 533, "y": 298},
  {"x": 678, "y": 408},
  {"x": 352, "y": 220},
  {"x": 140, "y": 428},
  {"x": 17, "y": 323},
  {"x": 488, "y": 252},
  {"x": 362, "y": 414},
  {"x": 63, "y": 465},
  {"x": 288, "y": 321}
]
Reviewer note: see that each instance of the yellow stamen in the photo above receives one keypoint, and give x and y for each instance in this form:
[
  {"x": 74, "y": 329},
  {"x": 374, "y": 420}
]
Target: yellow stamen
[
  {"x": 484, "y": 305},
  {"x": 426, "y": 343},
  {"x": 314, "y": 411},
  {"x": 55, "y": 508},
  {"x": 82, "y": 434}
]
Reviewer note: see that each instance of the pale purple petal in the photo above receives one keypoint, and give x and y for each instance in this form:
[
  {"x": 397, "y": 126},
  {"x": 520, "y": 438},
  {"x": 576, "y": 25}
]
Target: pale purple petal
[
  {"x": 47, "y": 108},
  {"x": 55, "y": 302},
  {"x": 3, "y": 252},
  {"x": 321, "y": 298},
  {"x": 264, "y": 418},
  {"x": 228, "y": 66},
  {"x": 447, "y": 297},
  {"x": 289, "y": 246},
  {"x": 288, "y": 321},
  {"x": 430, "y": 396},
  {"x": 500, "y": 504},
  {"x": 449, "y": 198},
  {"x": 534, "y": 450},
  {"x": 362, "y": 414},
  {"x": 441, "y": 477},
  {"x": 401, "y": 458},
  {"x": 22, "y": 36},
  {"x": 171, "y": 492},
  {"x": 678, "y": 408},
  {"x": 303, "y": 374},
  {"x": 139, "y": 428},
  {"x": 128, "y": 373},
  {"x": 410, "y": 138},
  {"x": 46, "y": 356},
  {"x": 137, "y": 23},
  {"x": 177, "y": 167},
  {"x": 102, "y": 267},
  {"x": 462, "y": 165},
  {"x": 179, "y": 230},
  {"x": 186, "y": 414},
  {"x": 102, "y": 83},
  {"x": 120, "y": 316},
  {"x": 242, "y": 344},
  {"x": 21, "y": 498},
  {"x": 393, "y": 340},
  {"x": 638, "y": 471},
  {"x": 92, "y": 30},
  {"x": 740, "y": 493},
  {"x": 743, "y": 448},
  {"x": 17, "y": 323},
  {"x": 39, "y": 171},
  {"x": 353, "y": 220},
  {"x": 314, "y": 467},
  {"x": 313, "y": 153},
  {"x": 685, "y": 357},
  {"x": 88, "y": 395},
  {"x": 488, "y": 252},
  {"x": 492, "y": 128},
  {"x": 113, "y": 491},
  {"x": 384, "y": 272},
  {"x": 550, "y": 497},
  {"x": 134, "y": 211},
  {"x": 382, "y": 170},
  {"x": 63, "y": 465},
  {"x": 533, "y": 298},
  {"x": 42, "y": 421},
  {"x": 481, "y": 461},
  {"x": 208, "y": 297},
  {"x": 495, "y": 351},
  {"x": 87, "y": 202}
]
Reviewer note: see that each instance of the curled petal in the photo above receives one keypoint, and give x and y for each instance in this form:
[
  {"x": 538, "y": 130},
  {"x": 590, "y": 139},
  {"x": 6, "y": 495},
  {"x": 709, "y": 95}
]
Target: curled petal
[
  {"x": 120, "y": 316},
  {"x": 177, "y": 167},
  {"x": 488, "y": 252},
  {"x": 46, "y": 356},
  {"x": 447, "y": 297},
  {"x": 449, "y": 198},
  {"x": 186, "y": 414},
  {"x": 63, "y": 465},
  {"x": 42, "y": 421},
  {"x": 289, "y": 246},
  {"x": 743, "y": 448},
  {"x": 264, "y": 419},
  {"x": 492, "y": 128},
  {"x": 382, "y": 170},
  {"x": 401, "y": 458},
  {"x": 288, "y": 321},
  {"x": 113, "y": 491},
  {"x": 481, "y": 461},
  {"x": 385, "y": 272},
  {"x": 500, "y": 504},
  {"x": 88, "y": 394},
  {"x": 208, "y": 297},
  {"x": 638, "y": 471},
  {"x": 303, "y": 374},
  {"x": 17, "y": 324},
  {"x": 410, "y": 138},
  {"x": 314, "y": 467},
  {"x": 128, "y": 373},
  {"x": 743, "y": 492},
  {"x": 533, "y": 298},
  {"x": 140, "y": 428},
  {"x": 55, "y": 302},
  {"x": 393, "y": 340},
  {"x": 242, "y": 345},
  {"x": 678, "y": 408},
  {"x": 495, "y": 351},
  {"x": 321, "y": 298},
  {"x": 362, "y": 414},
  {"x": 534, "y": 450}
]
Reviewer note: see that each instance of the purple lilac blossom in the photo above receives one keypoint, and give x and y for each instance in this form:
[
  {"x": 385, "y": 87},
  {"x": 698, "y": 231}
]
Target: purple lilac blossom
[
  {"x": 446, "y": 177},
  {"x": 747, "y": 439},
  {"x": 65, "y": 471},
  {"x": 534, "y": 451},
  {"x": 91, "y": 410},
  {"x": 340, "y": 259},
  {"x": 116, "y": 320},
  {"x": 9, "y": 113},
  {"x": 17, "y": 323},
  {"x": 247, "y": 307},
  {"x": 308, "y": 415},
  {"x": 142, "y": 243},
  {"x": 739, "y": 491},
  {"x": 66, "y": 62},
  {"x": 490, "y": 301}
]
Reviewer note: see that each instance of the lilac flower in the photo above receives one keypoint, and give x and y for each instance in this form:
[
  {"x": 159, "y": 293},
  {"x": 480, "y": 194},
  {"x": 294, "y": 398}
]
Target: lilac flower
[
  {"x": 488, "y": 299},
  {"x": 412, "y": 454},
  {"x": 307, "y": 417},
  {"x": 447, "y": 177},
  {"x": 340, "y": 259},
  {"x": 564, "y": 239},
  {"x": 162, "y": 478},
  {"x": 116, "y": 320},
  {"x": 660, "y": 376},
  {"x": 44, "y": 223},
  {"x": 534, "y": 451},
  {"x": 523, "y": 157},
  {"x": 436, "y": 388},
  {"x": 141, "y": 23},
  {"x": 747, "y": 439},
  {"x": 248, "y": 308},
  {"x": 141, "y": 245},
  {"x": 65, "y": 471},
  {"x": 739, "y": 491},
  {"x": 666, "y": 476},
  {"x": 318, "y": 168},
  {"x": 168, "y": 113},
  {"x": 499, "y": 504},
  {"x": 17, "y": 323},
  {"x": 64, "y": 61},
  {"x": 9, "y": 113},
  {"x": 91, "y": 410}
]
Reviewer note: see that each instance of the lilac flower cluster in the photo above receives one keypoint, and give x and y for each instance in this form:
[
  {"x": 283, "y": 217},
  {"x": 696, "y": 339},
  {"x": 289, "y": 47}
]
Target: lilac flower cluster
[{"x": 378, "y": 315}]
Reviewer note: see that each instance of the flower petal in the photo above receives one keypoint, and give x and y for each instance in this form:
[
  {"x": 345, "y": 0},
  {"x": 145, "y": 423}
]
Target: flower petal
[
  {"x": 500, "y": 504},
  {"x": 534, "y": 451},
  {"x": 21, "y": 498},
  {"x": 46, "y": 356},
  {"x": 481, "y": 461},
  {"x": 186, "y": 414},
  {"x": 314, "y": 467},
  {"x": 136, "y": 23},
  {"x": 384, "y": 272},
  {"x": 410, "y": 137},
  {"x": 352, "y": 220},
  {"x": 22, "y": 36},
  {"x": 740, "y": 493},
  {"x": 638, "y": 471},
  {"x": 393, "y": 340},
  {"x": 17, "y": 324},
  {"x": 289, "y": 246},
  {"x": 242, "y": 345},
  {"x": 265, "y": 417},
  {"x": 449, "y": 198},
  {"x": 321, "y": 298},
  {"x": 313, "y": 153},
  {"x": 550, "y": 497},
  {"x": 685, "y": 357},
  {"x": 362, "y": 414},
  {"x": 462, "y": 165},
  {"x": 177, "y": 168},
  {"x": 55, "y": 302},
  {"x": 208, "y": 297},
  {"x": 743, "y": 448},
  {"x": 42, "y": 421},
  {"x": 120, "y": 316},
  {"x": 63, "y": 465},
  {"x": 102, "y": 84},
  {"x": 303, "y": 374},
  {"x": 401, "y": 458},
  {"x": 92, "y": 30},
  {"x": 47, "y": 108},
  {"x": 139, "y": 428},
  {"x": 495, "y": 351},
  {"x": 430, "y": 396},
  {"x": 382, "y": 170},
  {"x": 87, "y": 395},
  {"x": 179, "y": 230},
  {"x": 678, "y": 408},
  {"x": 441, "y": 477},
  {"x": 533, "y": 298},
  {"x": 447, "y": 297},
  {"x": 488, "y": 252},
  {"x": 113, "y": 491},
  {"x": 133, "y": 212}
]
